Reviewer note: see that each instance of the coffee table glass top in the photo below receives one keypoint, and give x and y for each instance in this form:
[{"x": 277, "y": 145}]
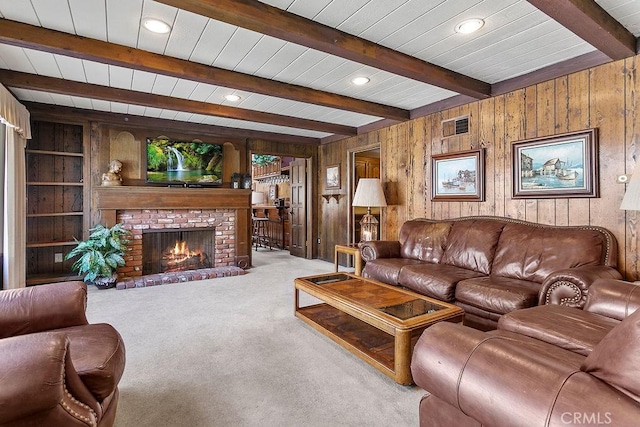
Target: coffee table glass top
[
  {"x": 325, "y": 280},
  {"x": 413, "y": 308},
  {"x": 394, "y": 302}
]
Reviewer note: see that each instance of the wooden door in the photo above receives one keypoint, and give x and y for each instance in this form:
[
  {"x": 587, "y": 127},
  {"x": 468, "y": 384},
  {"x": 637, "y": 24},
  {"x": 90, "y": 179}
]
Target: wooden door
[{"x": 298, "y": 212}]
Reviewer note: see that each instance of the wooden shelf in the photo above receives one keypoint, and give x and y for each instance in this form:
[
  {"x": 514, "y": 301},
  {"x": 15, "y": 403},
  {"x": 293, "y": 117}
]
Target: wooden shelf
[
  {"x": 51, "y": 183},
  {"x": 328, "y": 197},
  {"x": 40, "y": 279},
  {"x": 48, "y": 215},
  {"x": 50, "y": 244},
  {"x": 55, "y": 153}
]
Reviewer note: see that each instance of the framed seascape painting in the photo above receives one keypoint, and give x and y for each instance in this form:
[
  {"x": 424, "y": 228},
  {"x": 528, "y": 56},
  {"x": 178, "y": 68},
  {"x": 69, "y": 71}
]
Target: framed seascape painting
[
  {"x": 559, "y": 166},
  {"x": 458, "y": 176},
  {"x": 332, "y": 177}
]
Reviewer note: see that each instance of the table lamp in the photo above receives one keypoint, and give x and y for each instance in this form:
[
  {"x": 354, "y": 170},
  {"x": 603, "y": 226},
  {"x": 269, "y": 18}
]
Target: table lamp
[
  {"x": 369, "y": 193},
  {"x": 257, "y": 198},
  {"x": 631, "y": 199}
]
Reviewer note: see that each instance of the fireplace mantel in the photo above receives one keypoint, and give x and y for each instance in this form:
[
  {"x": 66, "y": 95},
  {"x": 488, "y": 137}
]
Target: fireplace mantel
[{"x": 136, "y": 197}]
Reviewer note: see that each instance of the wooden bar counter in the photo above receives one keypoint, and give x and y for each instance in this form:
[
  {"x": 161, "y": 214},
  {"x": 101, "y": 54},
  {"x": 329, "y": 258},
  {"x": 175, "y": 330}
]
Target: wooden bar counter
[{"x": 278, "y": 225}]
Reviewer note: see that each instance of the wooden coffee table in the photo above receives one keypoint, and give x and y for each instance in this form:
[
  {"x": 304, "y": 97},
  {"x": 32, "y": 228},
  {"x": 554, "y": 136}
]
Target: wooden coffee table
[{"x": 377, "y": 322}]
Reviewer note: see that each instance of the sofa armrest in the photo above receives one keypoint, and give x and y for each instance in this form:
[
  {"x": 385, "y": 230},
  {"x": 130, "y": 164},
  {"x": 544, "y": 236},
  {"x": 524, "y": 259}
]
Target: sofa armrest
[
  {"x": 379, "y": 249},
  {"x": 42, "y": 308},
  {"x": 503, "y": 381},
  {"x": 570, "y": 286},
  {"x": 616, "y": 299},
  {"x": 34, "y": 373}
]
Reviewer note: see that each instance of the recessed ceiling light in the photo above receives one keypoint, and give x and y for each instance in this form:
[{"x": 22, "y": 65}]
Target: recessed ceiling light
[
  {"x": 469, "y": 26},
  {"x": 232, "y": 98},
  {"x": 359, "y": 81},
  {"x": 156, "y": 26}
]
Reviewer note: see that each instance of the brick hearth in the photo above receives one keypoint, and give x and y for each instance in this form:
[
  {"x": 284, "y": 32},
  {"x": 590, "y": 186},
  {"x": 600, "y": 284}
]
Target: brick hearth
[
  {"x": 179, "y": 277},
  {"x": 137, "y": 220}
]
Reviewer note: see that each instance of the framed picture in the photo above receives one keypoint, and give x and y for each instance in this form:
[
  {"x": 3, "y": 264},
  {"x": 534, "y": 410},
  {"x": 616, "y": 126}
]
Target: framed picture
[
  {"x": 273, "y": 193},
  {"x": 332, "y": 177},
  {"x": 458, "y": 176},
  {"x": 556, "y": 166}
]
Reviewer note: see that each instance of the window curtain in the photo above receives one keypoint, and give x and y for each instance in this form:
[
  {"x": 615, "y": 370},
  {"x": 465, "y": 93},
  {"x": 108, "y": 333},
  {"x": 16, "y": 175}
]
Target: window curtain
[{"x": 15, "y": 117}]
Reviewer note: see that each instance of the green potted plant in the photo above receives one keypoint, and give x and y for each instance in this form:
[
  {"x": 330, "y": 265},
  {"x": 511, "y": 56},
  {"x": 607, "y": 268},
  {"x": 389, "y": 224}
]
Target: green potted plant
[{"x": 100, "y": 255}]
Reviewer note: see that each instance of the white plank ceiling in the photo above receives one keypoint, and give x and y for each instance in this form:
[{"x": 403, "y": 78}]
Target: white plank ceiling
[{"x": 516, "y": 39}]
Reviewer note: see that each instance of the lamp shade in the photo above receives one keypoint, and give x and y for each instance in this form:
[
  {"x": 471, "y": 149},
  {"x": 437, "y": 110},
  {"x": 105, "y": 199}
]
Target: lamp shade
[
  {"x": 631, "y": 199},
  {"x": 369, "y": 193},
  {"x": 257, "y": 198}
]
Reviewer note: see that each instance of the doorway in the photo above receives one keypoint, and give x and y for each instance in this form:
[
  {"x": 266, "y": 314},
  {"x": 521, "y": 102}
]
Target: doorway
[
  {"x": 363, "y": 163},
  {"x": 283, "y": 188}
]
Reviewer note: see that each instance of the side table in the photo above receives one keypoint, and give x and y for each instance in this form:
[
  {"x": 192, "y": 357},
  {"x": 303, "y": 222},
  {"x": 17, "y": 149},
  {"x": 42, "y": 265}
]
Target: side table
[{"x": 353, "y": 250}]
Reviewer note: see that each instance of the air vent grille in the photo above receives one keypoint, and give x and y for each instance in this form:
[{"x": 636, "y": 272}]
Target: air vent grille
[{"x": 454, "y": 127}]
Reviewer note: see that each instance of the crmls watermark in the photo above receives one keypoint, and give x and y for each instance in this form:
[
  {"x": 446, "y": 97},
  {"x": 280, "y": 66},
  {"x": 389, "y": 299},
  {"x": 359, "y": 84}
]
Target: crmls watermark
[{"x": 586, "y": 418}]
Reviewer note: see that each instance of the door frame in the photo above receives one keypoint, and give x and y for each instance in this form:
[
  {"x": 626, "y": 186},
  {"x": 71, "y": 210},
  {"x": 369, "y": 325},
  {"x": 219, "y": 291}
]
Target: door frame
[
  {"x": 309, "y": 208},
  {"x": 351, "y": 169}
]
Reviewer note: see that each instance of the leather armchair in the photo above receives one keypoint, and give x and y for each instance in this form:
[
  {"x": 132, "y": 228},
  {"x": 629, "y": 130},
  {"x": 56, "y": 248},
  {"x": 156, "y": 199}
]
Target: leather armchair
[
  {"x": 506, "y": 378},
  {"x": 484, "y": 379},
  {"x": 56, "y": 369}
]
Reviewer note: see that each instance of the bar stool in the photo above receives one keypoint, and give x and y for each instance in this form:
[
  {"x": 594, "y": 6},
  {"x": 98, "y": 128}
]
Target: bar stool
[{"x": 259, "y": 235}]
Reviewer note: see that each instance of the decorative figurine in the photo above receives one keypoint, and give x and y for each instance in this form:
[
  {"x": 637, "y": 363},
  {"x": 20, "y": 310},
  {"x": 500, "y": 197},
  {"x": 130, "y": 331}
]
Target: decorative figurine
[{"x": 112, "y": 177}]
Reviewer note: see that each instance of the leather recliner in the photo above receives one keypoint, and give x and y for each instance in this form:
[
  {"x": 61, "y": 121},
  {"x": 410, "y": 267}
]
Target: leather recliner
[
  {"x": 545, "y": 366},
  {"x": 56, "y": 369}
]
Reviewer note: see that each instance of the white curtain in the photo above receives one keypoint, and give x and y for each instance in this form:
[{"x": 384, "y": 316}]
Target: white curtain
[{"x": 15, "y": 117}]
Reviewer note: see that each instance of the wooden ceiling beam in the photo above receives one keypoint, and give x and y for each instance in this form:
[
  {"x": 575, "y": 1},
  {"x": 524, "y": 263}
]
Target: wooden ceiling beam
[
  {"x": 209, "y": 132},
  {"x": 105, "y": 93},
  {"x": 42, "y": 39},
  {"x": 592, "y": 23},
  {"x": 275, "y": 22}
]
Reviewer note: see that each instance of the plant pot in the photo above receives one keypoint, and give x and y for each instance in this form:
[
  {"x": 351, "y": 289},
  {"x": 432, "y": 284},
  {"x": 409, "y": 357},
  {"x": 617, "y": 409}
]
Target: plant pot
[{"x": 105, "y": 282}]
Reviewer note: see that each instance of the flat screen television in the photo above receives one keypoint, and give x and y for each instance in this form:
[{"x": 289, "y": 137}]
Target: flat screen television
[{"x": 183, "y": 163}]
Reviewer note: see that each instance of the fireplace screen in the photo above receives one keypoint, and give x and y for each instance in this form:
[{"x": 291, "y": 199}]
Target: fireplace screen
[{"x": 165, "y": 251}]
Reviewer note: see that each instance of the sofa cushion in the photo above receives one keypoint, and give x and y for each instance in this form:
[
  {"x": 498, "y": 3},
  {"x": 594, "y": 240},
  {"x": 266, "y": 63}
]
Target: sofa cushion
[
  {"x": 471, "y": 244},
  {"x": 497, "y": 294},
  {"x": 387, "y": 270},
  {"x": 98, "y": 355},
  {"x": 434, "y": 280},
  {"x": 616, "y": 359},
  {"x": 532, "y": 253},
  {"x": 423, "y": 240},
  {"x": 566, "y": 327}
]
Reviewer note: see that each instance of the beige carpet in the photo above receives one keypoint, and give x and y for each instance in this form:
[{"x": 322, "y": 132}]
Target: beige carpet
[{"x": 229, "y": 352}]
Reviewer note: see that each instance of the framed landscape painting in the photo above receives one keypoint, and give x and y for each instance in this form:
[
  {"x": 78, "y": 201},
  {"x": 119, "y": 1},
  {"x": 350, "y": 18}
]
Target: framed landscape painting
[
  {"x": 332, "y": 177},
  {"x": 559, "y": 166},
  {"x": 458, "y": 176}
]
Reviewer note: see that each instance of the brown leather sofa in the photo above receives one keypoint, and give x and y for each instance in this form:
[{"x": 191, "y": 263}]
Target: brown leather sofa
[
  {"x": 56, "y": 369},
  {"x": 490, "y": 266},
  {"x": 582, "y": 367}
]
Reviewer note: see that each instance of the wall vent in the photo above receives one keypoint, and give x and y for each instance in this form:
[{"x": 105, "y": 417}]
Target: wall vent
[{"x": 455, "y": 127}]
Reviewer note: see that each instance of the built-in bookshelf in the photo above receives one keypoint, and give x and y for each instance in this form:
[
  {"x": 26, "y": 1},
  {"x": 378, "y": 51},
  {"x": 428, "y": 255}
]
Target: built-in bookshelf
[{"x": 55, "y": 199}]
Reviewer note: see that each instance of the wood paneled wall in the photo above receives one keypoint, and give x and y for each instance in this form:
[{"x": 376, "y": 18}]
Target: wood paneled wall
[{"x": 606, "y": 97}]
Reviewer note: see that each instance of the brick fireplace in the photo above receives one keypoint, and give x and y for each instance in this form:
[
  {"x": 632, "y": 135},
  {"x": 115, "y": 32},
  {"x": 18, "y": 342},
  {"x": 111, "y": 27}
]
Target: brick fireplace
[
  {"x": 139, "y": 221},
  {"x": 149, "y": 209}
]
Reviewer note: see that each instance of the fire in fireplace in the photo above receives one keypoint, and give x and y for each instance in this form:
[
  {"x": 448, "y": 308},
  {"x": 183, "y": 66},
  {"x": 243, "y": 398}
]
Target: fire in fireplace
[
  {"x": 180, "y": 257},
  {"x": 177, "y": 250}
]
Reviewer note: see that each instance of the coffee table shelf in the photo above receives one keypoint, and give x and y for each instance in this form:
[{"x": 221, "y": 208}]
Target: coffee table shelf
[
  {"x": 359, "y": 337},
  {"x": 377, "y": 322}
]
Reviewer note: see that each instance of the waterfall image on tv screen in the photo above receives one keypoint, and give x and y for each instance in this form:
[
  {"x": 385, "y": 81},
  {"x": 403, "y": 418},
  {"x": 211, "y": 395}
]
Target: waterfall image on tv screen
[{"x": 170, "y": 161}]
